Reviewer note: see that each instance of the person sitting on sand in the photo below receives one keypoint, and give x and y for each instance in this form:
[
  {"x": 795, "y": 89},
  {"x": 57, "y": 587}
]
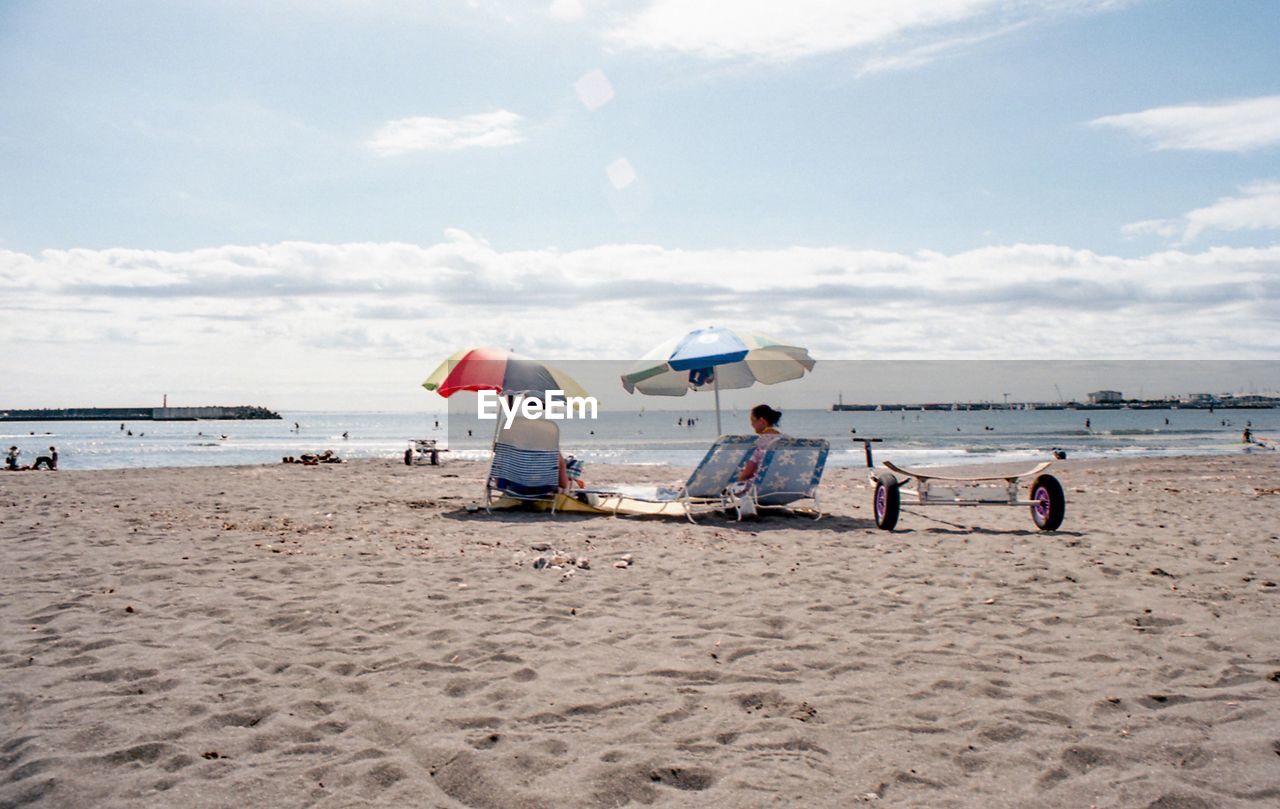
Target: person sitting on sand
[
  {"x": 49, "y": 461},
  {"x": 11, "y": 460},
  {"x": 311, "y": 458}
]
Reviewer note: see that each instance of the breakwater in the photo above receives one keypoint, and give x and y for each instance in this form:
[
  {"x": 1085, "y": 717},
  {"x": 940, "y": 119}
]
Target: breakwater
[
  {"x": 238, "y": 413},
  {"x": 1086, "y": 406}
]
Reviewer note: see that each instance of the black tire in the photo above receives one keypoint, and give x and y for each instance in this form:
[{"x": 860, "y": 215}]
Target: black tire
[
  {"x": 886, "y": 502},
  {"x": 1051, "y": 505},
  {"x": 408, "y": 457}
]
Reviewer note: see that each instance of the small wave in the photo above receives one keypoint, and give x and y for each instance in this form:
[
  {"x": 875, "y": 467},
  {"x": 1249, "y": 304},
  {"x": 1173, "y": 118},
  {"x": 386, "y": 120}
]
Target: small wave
[{"x": 1159, "y": 431}]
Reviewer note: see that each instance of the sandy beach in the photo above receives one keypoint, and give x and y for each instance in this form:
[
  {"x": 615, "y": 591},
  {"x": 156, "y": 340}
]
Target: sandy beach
[{"x": 349, "y": 635}]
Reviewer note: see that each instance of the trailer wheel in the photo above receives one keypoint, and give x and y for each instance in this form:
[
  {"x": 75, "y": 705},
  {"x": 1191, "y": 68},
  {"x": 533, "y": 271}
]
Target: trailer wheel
[
  {"x": 1050, "y": 504},
  {"x": 887, "y": 503}
]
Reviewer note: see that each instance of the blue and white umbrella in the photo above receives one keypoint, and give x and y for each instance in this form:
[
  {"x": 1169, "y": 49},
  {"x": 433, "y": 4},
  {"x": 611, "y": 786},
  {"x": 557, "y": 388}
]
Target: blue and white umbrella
[{"x": 716, "y": 358}]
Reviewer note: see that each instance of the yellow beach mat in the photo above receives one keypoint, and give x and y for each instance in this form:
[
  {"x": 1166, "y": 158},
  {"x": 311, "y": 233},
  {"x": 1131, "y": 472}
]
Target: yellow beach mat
[
  {"x": 621, "y": 504},
  {"x": 604, "y": 504}
]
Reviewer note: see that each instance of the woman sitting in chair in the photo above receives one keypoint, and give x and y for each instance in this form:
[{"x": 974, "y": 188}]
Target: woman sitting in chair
[{"x": 764, "y": 421}]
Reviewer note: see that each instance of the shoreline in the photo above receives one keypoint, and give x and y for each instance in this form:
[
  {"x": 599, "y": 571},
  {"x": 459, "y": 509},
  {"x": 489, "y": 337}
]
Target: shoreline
[
  {"x": 909, "y": 440},
  {"x": 973, "y": 458},
  {"x": 348, "y": 634}
]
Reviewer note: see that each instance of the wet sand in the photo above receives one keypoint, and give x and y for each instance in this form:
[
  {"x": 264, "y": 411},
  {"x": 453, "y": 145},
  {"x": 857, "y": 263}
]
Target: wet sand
[{"x": 348, "y": 635}]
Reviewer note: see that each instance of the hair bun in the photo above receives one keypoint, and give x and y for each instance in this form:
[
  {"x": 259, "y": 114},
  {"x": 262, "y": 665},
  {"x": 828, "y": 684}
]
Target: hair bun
[{"x": 764, "y": 411}]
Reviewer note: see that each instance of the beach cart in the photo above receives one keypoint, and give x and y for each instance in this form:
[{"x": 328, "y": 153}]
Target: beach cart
[
  {"x": 1045, "y": 496},
  {"x": 423, "y": 451}
]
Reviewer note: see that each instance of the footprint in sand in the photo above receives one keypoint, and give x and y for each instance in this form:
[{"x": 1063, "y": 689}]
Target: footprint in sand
[{"x": 641, "y": 783}]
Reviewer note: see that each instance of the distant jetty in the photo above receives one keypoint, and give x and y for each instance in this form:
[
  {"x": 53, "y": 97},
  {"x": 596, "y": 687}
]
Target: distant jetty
[
  {"x": 1258, "y": 403},
  {"x": 240, "y": 413}
]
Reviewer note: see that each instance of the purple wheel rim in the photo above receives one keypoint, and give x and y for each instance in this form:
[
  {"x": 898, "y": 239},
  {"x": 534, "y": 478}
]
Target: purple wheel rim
[
  {"x": 882, "y": 501},
  {"x": 1041, "y": 496}
]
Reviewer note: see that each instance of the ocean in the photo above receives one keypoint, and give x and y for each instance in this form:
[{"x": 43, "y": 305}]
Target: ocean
[{"x": 916, "y": 438}]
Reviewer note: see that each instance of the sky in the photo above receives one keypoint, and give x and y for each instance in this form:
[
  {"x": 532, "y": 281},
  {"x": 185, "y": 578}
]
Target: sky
[{"x": 308, "y": 204}]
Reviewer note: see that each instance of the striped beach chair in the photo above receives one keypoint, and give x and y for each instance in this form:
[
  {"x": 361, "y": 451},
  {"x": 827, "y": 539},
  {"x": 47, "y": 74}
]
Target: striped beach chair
[
  {"x": 791, "y": 471},
  {"x": 526, "y": 462},
  {"x": 702, "y": 493}
]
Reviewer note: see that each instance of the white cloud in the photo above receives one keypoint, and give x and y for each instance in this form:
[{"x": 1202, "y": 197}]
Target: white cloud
[
  {"x": 1233, "y": 126},
  {"x": 1257, "y": 208},
  {"x": 1165, "y": 228},
  {"x": 353, "y": 300},
  {"x": 895, "y": 32},
  {"x": 485, "y": 130},
  {"x": 307, "y": 325},
  {"x": 918, "y": 55}
]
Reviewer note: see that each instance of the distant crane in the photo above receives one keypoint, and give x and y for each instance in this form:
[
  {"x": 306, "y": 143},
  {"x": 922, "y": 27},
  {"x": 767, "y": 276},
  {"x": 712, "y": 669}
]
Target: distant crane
[{"x": 1059, "y": 390}]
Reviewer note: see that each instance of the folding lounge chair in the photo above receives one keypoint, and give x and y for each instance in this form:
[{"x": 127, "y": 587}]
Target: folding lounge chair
[
  {"x": 702, "y": 493},
  {"x": 791, "y": 472},
  {"x": 526, "y": 463}
]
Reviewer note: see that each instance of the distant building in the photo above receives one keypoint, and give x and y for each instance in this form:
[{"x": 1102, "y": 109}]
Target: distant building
[
  {"x": 1251, "y": 400},
  {"x": 1198, "y": 398},
  {"x": 1105, "y": 396}
]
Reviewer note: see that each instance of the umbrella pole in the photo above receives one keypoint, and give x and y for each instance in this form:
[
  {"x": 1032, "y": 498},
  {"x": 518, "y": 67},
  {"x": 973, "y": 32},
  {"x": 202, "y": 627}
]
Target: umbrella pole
[{"x": 715, "y": 385}]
